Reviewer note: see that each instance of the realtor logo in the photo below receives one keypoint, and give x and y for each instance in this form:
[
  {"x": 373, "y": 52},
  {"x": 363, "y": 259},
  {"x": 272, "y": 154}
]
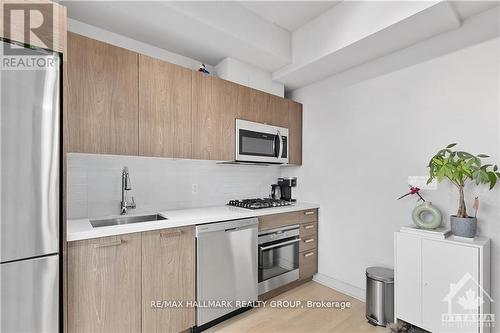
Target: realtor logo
[
  {"x": 464, "y": 301},
  {"x": 37, "y": 22}
]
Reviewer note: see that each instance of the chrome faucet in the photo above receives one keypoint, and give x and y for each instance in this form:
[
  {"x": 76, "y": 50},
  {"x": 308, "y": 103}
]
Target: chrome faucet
[{"x": 126, "y": 187}]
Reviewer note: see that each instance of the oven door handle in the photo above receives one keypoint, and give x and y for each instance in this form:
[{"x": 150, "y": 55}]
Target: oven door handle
[{"x": 264, "y": 248}]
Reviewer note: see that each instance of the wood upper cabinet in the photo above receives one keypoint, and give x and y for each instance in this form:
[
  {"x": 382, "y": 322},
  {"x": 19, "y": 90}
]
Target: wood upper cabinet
[
  {"x": 120, "y": 102},
  {"x": 215, "y": 109},
  {"x": 168, "y": 273},
  {"x": 102, "y": 98},
  {"x": 164, "y": 109},
  {"x": 295, "y": 132},
  {"x": 104, "y": 285},
  {"x": 253, "y": 104},
  {"x": 276, "y": 112}
]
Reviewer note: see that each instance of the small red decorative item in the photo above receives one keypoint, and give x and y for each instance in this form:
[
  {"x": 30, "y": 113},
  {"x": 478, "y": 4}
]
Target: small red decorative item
[{"x": 413, "y": 190}]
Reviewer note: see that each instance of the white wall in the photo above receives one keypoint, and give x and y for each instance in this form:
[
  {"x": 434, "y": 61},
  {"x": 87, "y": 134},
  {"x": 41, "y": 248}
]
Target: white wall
[
  {"x": 248, "y": 75},
  {"x": 361, "y": 142},
  {"x": 159, "y": 184}
]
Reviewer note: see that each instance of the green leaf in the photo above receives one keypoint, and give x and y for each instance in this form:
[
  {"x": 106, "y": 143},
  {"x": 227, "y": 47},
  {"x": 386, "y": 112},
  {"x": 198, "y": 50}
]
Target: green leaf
[
  {"x": 484, "y": 176},
  {"x": 451, "y": 145},
  {"x": 464, "y": 155},
  {"x": 441, "y": 173},
  {"x": 449, "y": 173},
  {"x": 437, "y": 161},
  {"x": 492, "y": 179}
]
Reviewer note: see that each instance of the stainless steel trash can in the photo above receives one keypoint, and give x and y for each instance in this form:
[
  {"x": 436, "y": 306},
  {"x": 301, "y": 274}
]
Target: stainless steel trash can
[{"x": 379, "y": 295}]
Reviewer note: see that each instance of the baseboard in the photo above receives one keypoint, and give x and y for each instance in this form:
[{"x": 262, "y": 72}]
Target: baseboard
[{"x": 343, "y": 287}]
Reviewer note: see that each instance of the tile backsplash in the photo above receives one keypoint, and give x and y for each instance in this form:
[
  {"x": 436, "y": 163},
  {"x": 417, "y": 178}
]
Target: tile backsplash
[{"x": 159, "y": 184}]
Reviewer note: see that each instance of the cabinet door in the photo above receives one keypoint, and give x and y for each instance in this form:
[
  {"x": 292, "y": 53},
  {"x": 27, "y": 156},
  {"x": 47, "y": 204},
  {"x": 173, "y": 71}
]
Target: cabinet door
[
  {"x": 308, "y": 264},
  {"x": 408, "y": 278},
  {"x": 104, "y": 285},
  {"x": 253, "y": 104},
  {"x": 167, "y": 274},
  {"x": 215, "y": 108},
  {"x": 102, "y": 98},
  {"x": 295, "y": 132},
  {"x": 164, "y": 109},
  {"x": 277, "y": 111},
  {"x": 449, "y": 273}
]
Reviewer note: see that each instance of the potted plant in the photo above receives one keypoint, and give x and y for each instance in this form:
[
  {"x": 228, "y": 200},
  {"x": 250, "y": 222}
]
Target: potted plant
[{"x": 460, "y": 168}]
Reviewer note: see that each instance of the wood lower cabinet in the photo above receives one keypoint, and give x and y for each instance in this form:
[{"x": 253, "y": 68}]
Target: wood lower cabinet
[
  {"x": 115, "y": 283},
  {"x": 308, "y": 264},
  {"x": 295, "y": 132},
  {"x": 308, "y": 246},
  {"x": 215, "y": 108},
  {"x": 168, "y": 273},
  {"x": 308, "y": 256},
  {"x": 102, "y": 98},
  {"x": 299, "y": 217},
  {"x": 104, "y": 285},
  {"x": 308, "y": 231},
  {"x": 164, "y": 109},
  {"x": 308, "y": 242}
]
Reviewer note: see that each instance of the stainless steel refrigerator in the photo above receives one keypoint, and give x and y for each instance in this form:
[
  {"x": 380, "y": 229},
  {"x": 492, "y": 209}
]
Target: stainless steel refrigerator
[{"x": 30, "y": 163}]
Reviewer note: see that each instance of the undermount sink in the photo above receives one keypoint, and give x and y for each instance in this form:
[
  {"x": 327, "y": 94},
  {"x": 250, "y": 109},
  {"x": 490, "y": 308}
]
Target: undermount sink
[{"x": 126, "y": 220}]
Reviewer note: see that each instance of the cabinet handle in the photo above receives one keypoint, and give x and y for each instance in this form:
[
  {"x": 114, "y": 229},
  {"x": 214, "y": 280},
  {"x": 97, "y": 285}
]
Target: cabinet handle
[
  {"x": 170, "y": 234},
  {"x": 309, "y": 240},
  {"x": 309, "y": 254},
  {"x": 114, "y": 243},
  {"x": 310, "y": 226},
  {"x": 309, "y": 212}
]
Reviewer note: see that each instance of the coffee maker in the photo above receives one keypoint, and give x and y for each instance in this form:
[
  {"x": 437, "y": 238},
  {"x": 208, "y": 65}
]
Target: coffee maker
[{"x": 286, "y": 184}]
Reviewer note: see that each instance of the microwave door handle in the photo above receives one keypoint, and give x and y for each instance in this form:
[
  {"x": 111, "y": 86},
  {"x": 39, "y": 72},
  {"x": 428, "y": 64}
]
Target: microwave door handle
[
  {"x": 281, "y": 145},
  {"x": 274, "y": 147}
]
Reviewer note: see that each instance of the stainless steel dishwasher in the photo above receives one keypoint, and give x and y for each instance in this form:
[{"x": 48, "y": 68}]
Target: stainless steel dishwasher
[{"x": 226, "y": 268}]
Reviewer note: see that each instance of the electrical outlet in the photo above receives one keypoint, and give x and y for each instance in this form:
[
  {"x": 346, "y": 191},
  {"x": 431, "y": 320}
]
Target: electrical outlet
[
  {"x": 421, "y": 183},
  {"x": 194, "y": 188}
]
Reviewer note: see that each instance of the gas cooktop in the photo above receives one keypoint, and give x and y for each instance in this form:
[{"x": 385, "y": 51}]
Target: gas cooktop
[{"x": 259, "y": 203}]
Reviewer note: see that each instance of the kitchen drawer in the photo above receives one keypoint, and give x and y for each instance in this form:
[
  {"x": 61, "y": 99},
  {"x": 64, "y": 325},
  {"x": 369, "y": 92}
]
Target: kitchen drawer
[
  {"x": 308, "y": 215},
  {"x": 278, "y": 220},
  {"x": 308, "y": 229},
  {"x": 308, "y": 243},
  {"x": 308, "y": 263}
]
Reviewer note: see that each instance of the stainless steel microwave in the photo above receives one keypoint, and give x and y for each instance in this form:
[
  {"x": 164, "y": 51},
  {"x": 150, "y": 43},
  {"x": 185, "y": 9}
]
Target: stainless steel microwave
[{"x": 256, "y": 142}]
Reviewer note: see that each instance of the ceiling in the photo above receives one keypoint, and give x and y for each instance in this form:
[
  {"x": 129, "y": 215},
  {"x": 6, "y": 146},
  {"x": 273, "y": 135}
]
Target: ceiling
[
  {"x": 298, "y": 42},
  {"x": 207, "y": 31},
  {"x": 289, "y": 15}
]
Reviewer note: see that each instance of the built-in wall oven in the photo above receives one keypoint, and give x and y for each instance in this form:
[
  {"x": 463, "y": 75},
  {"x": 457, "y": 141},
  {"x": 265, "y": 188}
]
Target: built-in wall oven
[
  {"x": 256, "y": 142},
  {"x": 278, "y": 257}
]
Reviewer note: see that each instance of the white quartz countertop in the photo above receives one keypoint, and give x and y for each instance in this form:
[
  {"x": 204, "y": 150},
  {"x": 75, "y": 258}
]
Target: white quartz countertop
[{"x": 82, "y": 229}]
